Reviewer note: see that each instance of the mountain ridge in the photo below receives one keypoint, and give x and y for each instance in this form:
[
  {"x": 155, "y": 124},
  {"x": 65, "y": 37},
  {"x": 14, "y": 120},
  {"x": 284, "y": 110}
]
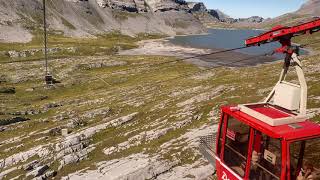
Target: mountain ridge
[{"x": 86, "y": 18}]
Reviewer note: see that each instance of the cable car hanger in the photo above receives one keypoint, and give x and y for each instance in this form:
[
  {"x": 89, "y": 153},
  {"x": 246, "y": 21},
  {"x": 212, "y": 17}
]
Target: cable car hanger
[{"x": 288, "y": 96}]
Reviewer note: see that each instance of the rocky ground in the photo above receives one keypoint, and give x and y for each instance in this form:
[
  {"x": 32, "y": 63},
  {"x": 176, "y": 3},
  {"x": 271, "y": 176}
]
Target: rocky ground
[{"x": 122, "y": 116}]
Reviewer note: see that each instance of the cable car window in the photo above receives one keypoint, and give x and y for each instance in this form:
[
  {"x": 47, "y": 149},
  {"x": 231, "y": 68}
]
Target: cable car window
[
  {"x": 220, "y": 137},
  {"x": 305, "y": 160},
  {"x": 266, "y": 158},
  {"x": 236, "y": 146}
]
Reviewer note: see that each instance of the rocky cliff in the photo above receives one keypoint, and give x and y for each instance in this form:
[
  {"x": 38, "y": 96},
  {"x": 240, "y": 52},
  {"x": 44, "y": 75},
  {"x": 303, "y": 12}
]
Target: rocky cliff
[{"x": 20, "y": 19}]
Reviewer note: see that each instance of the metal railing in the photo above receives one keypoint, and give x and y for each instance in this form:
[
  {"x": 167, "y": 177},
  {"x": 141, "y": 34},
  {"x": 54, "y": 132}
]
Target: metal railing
[{"x": 207, "y": 147}]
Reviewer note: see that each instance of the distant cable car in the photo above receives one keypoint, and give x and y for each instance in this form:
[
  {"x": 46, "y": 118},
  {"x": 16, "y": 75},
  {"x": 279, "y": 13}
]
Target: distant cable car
[
  {"x": 48, "y": 78},
  {"x": 274, "y": 139}
]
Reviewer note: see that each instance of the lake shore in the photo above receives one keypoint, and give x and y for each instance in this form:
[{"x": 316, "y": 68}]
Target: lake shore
[{"x": 163, "y": 47}]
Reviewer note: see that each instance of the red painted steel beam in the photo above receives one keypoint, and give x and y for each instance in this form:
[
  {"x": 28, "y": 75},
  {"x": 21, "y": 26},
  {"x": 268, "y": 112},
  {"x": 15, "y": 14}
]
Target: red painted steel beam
[{"x": 281, "y": 33}]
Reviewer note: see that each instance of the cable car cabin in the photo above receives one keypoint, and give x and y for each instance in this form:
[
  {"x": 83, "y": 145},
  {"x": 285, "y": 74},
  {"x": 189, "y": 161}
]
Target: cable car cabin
[{"x": 252, "y": 148}]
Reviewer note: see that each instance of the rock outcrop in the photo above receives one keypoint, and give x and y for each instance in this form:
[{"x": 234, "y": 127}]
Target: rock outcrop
[{"x": 136, "y": 166}]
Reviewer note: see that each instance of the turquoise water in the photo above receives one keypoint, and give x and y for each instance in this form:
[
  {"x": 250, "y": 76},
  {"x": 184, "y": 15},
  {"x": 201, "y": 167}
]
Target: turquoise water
[{"x": 226, "y": 39}]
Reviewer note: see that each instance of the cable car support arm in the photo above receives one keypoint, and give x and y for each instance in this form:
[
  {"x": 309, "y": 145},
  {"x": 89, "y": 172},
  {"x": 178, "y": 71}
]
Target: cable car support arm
[{"x": 283, "y": 35}]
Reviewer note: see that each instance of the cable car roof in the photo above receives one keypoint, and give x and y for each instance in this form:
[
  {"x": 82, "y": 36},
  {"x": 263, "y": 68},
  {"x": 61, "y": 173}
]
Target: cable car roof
[{"x": 293, "y": 131}]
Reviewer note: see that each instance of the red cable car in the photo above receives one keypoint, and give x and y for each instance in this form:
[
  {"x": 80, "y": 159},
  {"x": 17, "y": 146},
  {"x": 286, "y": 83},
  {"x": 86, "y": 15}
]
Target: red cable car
[{"x": 273, "y": 139}]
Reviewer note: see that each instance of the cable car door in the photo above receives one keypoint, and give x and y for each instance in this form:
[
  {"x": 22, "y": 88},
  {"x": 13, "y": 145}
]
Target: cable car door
[{"x": 232, "y": 149}]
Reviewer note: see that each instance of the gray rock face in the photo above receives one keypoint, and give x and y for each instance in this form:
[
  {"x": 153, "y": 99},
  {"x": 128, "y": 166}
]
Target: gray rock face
[
  {"x": 23, "y": 156},
  {"x": 167, "y": 5},
  {"x": 253, "y": 19},
  {"x": 75, "y": 157},
  {"x": 126, "y": 5},
  {"x": 136, "y": 166},
  {"x": 197, "y": 7},
  {"x": 218, "y": 14}
]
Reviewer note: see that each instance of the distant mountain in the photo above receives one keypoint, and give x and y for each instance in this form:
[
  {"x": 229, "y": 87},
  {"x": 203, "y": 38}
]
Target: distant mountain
[
  {"x": 308, "y": 11},
  {"x": 217, "y": 18},
  {"x": 311, "y": 7}
]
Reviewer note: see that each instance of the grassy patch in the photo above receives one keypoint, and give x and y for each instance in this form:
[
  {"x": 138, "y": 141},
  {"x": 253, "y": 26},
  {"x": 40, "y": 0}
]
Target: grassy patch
[{"x": 103, "y": 44}]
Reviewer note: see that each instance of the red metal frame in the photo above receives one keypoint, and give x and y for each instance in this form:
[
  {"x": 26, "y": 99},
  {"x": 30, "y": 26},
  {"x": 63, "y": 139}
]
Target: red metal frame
[
  {"x": 283, "y": 35},
  {"x": 250, "y": 150}
]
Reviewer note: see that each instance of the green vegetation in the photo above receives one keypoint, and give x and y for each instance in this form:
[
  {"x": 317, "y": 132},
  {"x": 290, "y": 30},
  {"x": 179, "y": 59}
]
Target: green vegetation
[{"x": 104, "y": 44}]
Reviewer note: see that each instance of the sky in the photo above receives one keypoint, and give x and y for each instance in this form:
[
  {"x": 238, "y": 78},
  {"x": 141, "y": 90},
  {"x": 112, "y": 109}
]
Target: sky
[{"x": 247, "y": 8}]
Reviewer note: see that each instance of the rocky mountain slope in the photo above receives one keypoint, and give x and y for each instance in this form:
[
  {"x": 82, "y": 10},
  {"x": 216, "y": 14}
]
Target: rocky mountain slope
[
  {"x": 21, "y": 19},
  {"x": 311, "y": 7},
  {"x": 308, "y": 11}
]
